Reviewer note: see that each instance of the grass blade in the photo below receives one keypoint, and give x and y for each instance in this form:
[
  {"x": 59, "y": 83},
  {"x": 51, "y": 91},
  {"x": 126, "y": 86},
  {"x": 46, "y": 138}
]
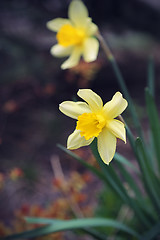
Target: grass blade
[
  {"x": 37, "y": 220},
  {"x": 135, "y": 192},
  {"x": 152, "y": 233},
  {"x": 130, "y": 181},
  {"x": 72, "y": 225},
  {"x": 118, "y": 157},
  {"x": 149, "y": 182},
  {"x": 154, "y": 123},
  {"x": 116, "y": 184}
]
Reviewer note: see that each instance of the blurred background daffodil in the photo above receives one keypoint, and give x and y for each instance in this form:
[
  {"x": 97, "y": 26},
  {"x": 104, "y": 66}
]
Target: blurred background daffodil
[{"x": 75, "y": 36}]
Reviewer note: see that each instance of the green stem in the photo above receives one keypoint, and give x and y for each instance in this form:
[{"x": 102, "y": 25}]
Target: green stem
[
  {"x": 121, "y": 82},
  {"x": 151, "y": 77}
]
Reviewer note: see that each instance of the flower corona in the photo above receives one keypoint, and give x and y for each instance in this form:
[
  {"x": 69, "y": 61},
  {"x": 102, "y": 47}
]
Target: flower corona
[{"x": 90, "y": 124}]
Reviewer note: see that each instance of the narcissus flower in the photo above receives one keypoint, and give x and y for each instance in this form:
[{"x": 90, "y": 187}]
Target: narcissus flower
[
  {"x": 96, "y": 120},
  {"x": 75, "y": 36}
]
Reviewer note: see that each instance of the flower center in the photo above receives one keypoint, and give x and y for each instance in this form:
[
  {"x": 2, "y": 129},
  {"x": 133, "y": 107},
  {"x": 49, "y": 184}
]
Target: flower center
[
  {"x": 90, "y": 124},
  {"x": 69, "y": 35}
]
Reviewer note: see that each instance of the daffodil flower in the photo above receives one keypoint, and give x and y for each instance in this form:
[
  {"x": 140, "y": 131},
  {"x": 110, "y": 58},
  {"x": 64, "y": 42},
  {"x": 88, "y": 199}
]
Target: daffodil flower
[
  {"x": 75, "y": 36},
  {"x": 96, "y": 120}
]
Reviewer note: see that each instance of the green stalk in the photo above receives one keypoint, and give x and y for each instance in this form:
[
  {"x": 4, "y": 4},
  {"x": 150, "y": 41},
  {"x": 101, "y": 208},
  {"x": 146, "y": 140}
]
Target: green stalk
[
  {"x": 151, "y": 77},
  {"x": 122, "y": 84}
]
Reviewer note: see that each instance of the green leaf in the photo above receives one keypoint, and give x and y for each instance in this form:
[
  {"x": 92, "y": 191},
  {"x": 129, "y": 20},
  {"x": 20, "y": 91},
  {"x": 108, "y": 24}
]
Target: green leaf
[
  {"x": 64, "y": 225},
  {"x": 39, "y": 220},
  {"x": 111, "y": 177},
  {"x": 150, "y": 182},
  {"x": 117, "y": 185},
  {"x": 154, "y": 123},
  {"x": 152, "y": 233},
  {"x": 134, "y": 190},
  {"x": 134, "y": 148},
  {"x": 107, "y": 178},
  {"x": 118, "y": 157},
  {"x": 133, "y": 187},
  {"x": 36, "y": 220}
]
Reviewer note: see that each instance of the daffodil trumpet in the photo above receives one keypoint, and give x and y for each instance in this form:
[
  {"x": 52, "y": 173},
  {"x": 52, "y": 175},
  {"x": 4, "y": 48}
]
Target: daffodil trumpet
[
  {"x": 76, "y": 36},
  {"x": 95, "y": 120}
]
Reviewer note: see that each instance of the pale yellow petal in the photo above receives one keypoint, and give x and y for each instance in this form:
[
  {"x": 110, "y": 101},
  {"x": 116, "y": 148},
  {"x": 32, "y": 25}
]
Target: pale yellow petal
[
  {"x": 90, "y": 50},
  {"x": 117, "y": 128},
  {"x": 74, "y": 109},
  {"x": 106, "y": 145},
  {"x": 78, "y": 13},
  {"x": 76, "y": 141},
  {"x": 94, "y": 101},
  {"x": 57, "y": 23},
  {"x": 116, "y": 106},
  {"x": 73, "y": 60},
  {"x": 60, "y": 51},
  {"x": 91, "y": 28}
]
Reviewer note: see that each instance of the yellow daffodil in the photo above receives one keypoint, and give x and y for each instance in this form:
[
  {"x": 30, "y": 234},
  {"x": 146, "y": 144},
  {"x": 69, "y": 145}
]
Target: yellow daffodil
[
  {"x": 75, "y": 36},
  {"x": 96, "y": 120}
]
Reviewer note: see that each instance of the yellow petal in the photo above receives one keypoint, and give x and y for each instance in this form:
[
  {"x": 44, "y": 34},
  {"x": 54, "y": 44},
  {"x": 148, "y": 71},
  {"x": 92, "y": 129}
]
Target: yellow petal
[
  {"x": 76, "y": 141},
  {"x": 117, "y": 128},
  {"x": 116, "y": 106},
  {"x": 57, "y": 23},
  {"x": 94, "y": 101},
  {"x": 60, "y": 51},
  {"x": 106, "y": 145},
  {"x": 73, "y": 60},
  {"x": 90, "y": 51},
  {"x": 78, "y": 13},
  {"x": 74, "y": 109}
]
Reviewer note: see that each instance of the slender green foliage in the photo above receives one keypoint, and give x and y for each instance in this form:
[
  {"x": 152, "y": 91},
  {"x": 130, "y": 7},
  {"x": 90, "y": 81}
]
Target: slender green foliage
[
  {"x": 118, "y": 157},
  {"x": 151, "y": 77},
  {"x": 148, "y": 179},
  {"x": 154, "y": 123},
  {"x": 124, "y": 89},
  {"x": 114, "y": 181},
  {"x": 64, "y": 225},
  {"x": 94, "y": 170},
  {"x": 122, "y": 84},
  {"x": 152, "y": 233}
]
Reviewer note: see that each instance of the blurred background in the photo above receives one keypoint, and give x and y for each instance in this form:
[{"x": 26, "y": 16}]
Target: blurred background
[{"x": 32, "y": 85}]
